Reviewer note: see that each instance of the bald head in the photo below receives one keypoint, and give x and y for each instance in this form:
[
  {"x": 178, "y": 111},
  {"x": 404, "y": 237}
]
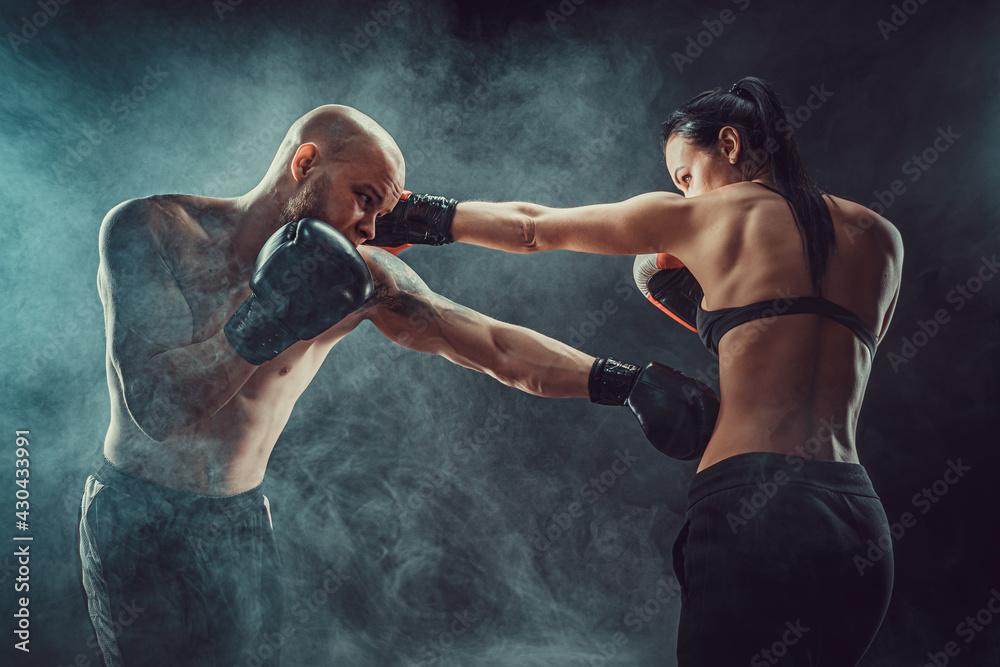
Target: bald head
[
  {"x": 337, "y": 165},
  {"x": 341, "y": 133}
]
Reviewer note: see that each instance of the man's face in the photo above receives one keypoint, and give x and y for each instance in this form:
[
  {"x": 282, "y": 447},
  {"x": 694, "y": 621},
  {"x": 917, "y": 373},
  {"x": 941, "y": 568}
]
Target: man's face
[{"x": 349, "y": 195}]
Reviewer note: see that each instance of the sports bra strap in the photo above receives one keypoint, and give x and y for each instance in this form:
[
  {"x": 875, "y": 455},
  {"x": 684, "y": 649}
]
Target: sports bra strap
[{"x": 714, "y": 324}]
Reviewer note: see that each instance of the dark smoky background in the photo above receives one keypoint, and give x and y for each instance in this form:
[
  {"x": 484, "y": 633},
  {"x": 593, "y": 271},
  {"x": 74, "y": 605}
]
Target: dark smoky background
[{"x": 425, "y": 512}]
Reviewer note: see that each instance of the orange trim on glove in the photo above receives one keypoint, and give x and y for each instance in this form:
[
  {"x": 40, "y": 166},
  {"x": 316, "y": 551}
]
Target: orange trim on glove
[
  {"x": 396, "y": 250},
  {"x": 672, "y": 316},
  {"x": 665, "y": 260}
]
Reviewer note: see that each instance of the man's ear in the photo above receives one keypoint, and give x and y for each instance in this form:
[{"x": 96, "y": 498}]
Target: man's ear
[
  {"x": 730, "y": 143},
  {"x": 305, "y": 159}
]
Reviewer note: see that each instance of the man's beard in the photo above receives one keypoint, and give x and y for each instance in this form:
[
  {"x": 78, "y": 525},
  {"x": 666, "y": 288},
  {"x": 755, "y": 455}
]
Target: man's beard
[{"x": 307, "y": 202}]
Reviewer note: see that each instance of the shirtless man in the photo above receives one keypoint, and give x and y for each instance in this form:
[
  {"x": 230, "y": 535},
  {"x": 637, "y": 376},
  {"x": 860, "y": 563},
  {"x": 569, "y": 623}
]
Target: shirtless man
[{"x": 219, "y": 312}]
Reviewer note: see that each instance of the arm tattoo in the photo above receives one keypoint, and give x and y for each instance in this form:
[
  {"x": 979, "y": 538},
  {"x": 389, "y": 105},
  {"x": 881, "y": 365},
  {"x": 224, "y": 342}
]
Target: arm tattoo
[
  {"x": 397, "y": 287},
  {"x": 402, "y": 292}
]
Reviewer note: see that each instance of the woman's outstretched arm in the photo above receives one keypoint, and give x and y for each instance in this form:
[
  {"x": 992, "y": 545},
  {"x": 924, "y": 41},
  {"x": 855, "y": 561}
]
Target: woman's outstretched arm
[
  {"x": 648, "y": 223},
  {"x": 651, "y": 222}
]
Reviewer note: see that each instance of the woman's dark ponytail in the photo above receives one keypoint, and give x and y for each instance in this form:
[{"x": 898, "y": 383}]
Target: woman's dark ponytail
[{"x": 752, "y": 107}]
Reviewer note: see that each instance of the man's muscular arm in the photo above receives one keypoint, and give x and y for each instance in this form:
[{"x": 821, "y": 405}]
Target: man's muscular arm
[
  {"x": 168, "y": 380},
  {"x": 407, "y": 312}
]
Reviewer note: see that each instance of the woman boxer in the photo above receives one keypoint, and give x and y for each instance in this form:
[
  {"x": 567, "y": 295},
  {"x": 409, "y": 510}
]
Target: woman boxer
[{"x": 794, "y": 289}]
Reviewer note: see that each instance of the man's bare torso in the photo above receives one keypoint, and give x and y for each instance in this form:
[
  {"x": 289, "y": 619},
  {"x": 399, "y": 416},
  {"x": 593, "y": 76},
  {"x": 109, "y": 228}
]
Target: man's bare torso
[{"x": 228, "y": 452}]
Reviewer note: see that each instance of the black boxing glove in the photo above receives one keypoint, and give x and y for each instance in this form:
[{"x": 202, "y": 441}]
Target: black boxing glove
[
  {"x": 418, "y": 219},
  {"x": 676, "y": 412},
  {"x": 307, "y": 278},
  {"x": 669, "y": 285}
]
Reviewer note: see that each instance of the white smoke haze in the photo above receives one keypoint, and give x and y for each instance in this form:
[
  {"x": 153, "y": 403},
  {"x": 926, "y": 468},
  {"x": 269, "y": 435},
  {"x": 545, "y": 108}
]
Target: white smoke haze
[{"x": 425, "y": 513}]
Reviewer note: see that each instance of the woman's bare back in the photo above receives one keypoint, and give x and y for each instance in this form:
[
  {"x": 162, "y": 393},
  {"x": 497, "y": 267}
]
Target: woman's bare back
[{"x": 794, "y": 383}]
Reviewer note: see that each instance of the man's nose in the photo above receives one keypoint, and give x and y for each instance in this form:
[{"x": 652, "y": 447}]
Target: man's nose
[{"x": 366, "y": 227}]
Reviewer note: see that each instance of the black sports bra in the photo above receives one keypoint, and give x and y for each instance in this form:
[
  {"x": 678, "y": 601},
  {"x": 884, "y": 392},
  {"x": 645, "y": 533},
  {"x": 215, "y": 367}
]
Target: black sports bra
[{"x": 714, "y": 324}]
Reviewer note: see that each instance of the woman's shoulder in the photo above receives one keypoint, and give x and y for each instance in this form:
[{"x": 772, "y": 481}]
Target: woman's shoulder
[{"x": 857, "y": 221}]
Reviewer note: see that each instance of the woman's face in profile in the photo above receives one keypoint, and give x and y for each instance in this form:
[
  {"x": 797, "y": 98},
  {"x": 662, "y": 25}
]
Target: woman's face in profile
[{"x": 695, "y": 171}]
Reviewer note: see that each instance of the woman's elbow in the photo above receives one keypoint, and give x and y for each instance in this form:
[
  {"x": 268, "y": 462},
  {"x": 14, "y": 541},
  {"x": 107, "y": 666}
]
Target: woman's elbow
[{"x": 531, "y": 218}]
